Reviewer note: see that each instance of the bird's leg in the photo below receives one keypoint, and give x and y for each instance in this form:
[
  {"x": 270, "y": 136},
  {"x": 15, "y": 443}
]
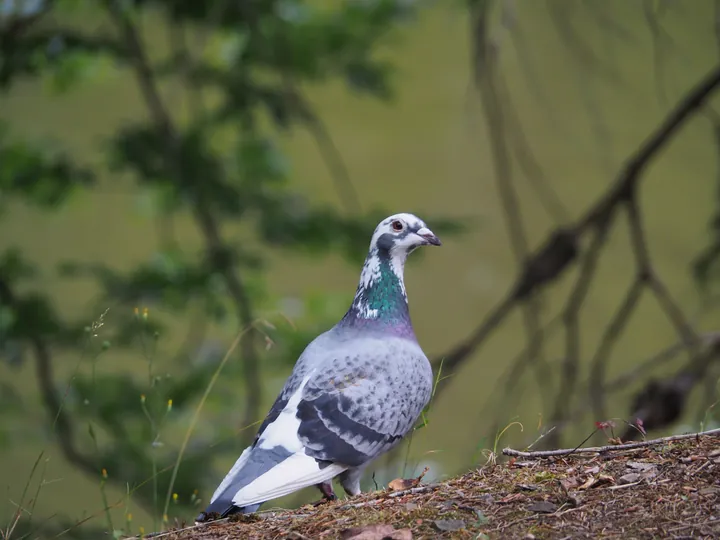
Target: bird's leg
[
  {"x": 328, "y": 494},
  {"x": 350, "y": 480}
]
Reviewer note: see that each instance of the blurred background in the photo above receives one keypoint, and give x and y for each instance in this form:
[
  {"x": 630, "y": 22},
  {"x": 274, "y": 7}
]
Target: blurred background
[{"x": 188, "y": 190}]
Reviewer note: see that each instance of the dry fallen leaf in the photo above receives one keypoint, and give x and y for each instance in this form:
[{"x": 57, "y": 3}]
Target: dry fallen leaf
[
  {"x": 591, "y": 481},
  {"x": 376, "y": 532},
  {"x": 597, "y": 480},
  {"x": 605, "y": 479},
  {"x": 400, "y": 484}
]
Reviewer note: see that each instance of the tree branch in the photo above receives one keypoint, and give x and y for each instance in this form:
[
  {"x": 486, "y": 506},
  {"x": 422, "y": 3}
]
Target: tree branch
[
  {"x": 485, "y": 77},
  {"x": 326, "y": 145},
  {"x": 613, "y": 331},
  {"x": 217, "y": 250},
  {"x": 559, "y": 251},
  {"x": 53, "y": 404}
]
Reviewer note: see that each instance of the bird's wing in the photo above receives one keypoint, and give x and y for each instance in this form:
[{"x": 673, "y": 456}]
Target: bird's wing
[
  {"x": 312, "y": 355},
  {"x": 237, "y": 474},
  {"x": 294, "y": 469},
  {"x": 345, "y": 412},
  {"x": 360, "y": 405},
  {"x": 295, "y": 473}
]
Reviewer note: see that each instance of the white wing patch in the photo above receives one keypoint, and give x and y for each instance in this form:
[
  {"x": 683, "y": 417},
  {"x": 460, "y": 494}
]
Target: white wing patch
[
  {"x": 297, "y": 472},
  {"x": 283, "y": 431}
]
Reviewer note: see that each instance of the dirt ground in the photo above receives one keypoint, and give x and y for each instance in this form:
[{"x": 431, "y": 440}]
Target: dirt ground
[{"x": 671, "y": 490}]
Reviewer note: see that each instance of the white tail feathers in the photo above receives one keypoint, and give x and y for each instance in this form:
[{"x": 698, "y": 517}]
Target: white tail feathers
[
  {"x": 296, "y": 472},
  {"x": 229, "y": 477}
]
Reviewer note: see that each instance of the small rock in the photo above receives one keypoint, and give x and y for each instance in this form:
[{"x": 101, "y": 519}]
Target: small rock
[
  {"x": 411, "y": 506},
  {"x": 486, "y": 498},
  {"x": 529, "y": 536},
  {"x": 543, "y": 507},
  {"x": 629, "y": 478},
  {"x": 449, "y": 525},
  {"x": 640, "y": 466}
]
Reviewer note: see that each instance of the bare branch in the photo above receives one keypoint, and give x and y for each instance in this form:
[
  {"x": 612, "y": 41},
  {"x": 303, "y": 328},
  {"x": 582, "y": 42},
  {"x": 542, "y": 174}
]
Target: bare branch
[
  {"x": 598, "y": 364},
  {"x": 486, "y": 80},
  {"x": 547, "y": 263},
  {"x": 655, "y": 361},
  {"x": 571, "y": 320},
  {"x": 326, "y": 145},
  {"x": 532, "y": 170},
  {"x": 561, "y": 15},
  {"x": 660, "y": 403},
  {"x": 650, "y": 278},
  {"x": 659, "y": 39}
]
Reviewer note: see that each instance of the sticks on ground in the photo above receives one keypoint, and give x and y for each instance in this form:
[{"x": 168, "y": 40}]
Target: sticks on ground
[{"x": 609, "y": 448}]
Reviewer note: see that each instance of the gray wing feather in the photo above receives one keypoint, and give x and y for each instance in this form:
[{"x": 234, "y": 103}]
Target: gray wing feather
[
  {"x": 358, "y": 405},
  {"x": 307, "y": 360}
]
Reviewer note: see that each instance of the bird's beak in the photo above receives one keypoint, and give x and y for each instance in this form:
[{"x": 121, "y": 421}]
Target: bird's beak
[{"x": 429, "y": 237}]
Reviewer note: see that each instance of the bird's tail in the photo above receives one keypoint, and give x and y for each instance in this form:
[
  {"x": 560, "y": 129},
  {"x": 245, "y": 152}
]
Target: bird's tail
[
  {"x": 224, "y": 509},
  {"x": 262, "y": 474},
  {"x": 251, "y": 464}
]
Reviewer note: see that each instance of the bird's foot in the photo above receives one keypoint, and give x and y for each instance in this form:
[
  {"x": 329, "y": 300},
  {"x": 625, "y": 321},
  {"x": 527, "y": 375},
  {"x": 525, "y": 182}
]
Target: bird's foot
[
  {"x": 328, "y": 494},
  {"x": 324, "y": 500}
]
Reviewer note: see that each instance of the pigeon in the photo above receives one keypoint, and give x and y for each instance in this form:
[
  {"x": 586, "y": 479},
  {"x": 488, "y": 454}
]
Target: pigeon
[{"x": 354, "y": 393}]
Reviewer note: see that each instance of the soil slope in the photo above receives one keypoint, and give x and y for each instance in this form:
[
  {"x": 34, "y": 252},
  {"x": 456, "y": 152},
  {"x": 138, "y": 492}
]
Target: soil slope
[{"x": 669, "y": 490}]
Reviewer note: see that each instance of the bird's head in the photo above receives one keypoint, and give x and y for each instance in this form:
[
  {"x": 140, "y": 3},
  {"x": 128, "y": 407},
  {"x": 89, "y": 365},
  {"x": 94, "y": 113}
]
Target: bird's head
[{"x": 399, "y": 234}]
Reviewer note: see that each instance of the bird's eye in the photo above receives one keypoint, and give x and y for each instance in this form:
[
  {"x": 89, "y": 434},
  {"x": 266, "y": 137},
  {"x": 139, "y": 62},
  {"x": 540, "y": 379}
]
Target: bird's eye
[{"x": 397, "y": 226}]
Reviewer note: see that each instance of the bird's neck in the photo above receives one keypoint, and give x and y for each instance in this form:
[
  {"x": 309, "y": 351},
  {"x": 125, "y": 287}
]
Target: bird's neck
[{"x": 380, "y": 301}]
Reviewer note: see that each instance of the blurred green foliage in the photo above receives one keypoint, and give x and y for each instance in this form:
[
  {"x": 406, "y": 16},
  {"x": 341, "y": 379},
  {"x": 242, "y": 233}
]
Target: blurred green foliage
[{"x": 241, "y": 66}]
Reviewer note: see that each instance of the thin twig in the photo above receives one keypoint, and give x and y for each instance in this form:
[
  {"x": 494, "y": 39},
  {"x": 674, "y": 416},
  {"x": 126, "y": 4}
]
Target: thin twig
[
  {"x": 609, "y": 448},
  {"x": 326, "y": 146},
  {"x": 486, "y": 80}
]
